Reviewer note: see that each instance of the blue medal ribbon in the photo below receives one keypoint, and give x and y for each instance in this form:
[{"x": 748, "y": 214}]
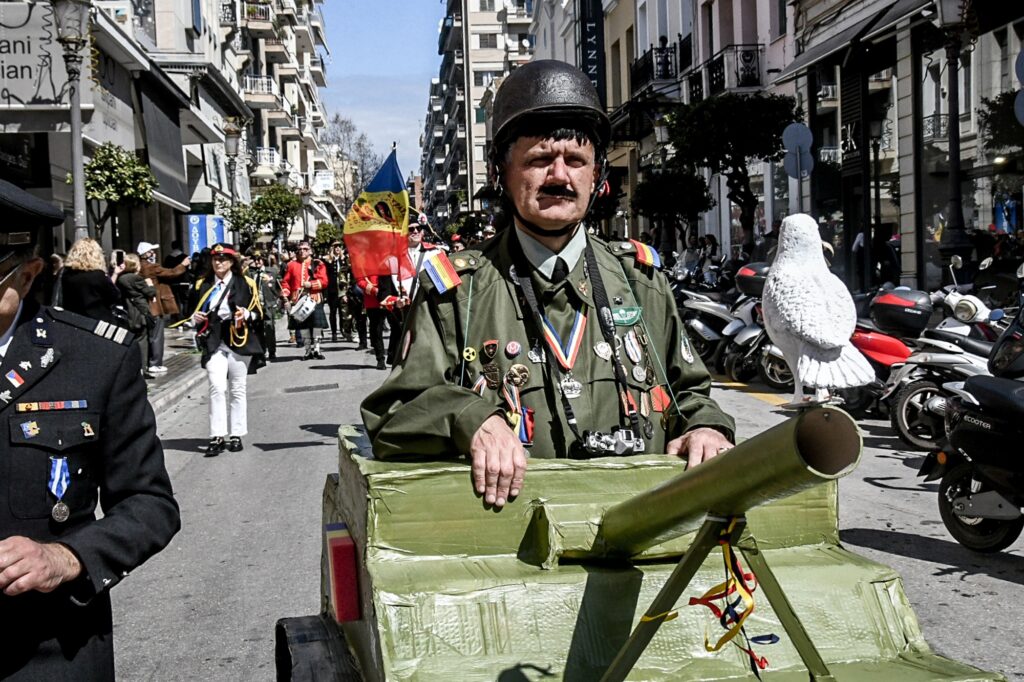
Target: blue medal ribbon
[{"x": 60, "y": 476}]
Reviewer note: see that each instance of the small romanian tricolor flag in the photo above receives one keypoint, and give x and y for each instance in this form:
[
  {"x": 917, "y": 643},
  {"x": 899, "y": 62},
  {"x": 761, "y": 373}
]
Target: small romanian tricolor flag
[
  {"x": 442, "y": 272},
  {"x": 646, "y": 255}
]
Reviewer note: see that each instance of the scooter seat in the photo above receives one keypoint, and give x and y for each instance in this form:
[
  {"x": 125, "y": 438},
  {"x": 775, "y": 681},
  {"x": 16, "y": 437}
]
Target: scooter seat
[
  {"x": 868, "y": 325},
  {"x": 720, "y": 296},
  {"x": 964, "y": 343},
  {"x": 1001, "y": 396}
]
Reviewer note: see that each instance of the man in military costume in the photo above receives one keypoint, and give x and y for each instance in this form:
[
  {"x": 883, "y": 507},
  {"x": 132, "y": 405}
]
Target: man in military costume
[
  {"x": 269, "y": 289},
  {"x": 80, "y": 430},
  {"x": 553, "y": 341}
]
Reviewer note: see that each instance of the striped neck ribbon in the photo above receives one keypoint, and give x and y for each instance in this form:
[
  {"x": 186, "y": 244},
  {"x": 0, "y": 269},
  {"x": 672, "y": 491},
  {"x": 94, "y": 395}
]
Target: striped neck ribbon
[
  {"x": 60, "y": 476},
  {"x": 566, "y": 353}
]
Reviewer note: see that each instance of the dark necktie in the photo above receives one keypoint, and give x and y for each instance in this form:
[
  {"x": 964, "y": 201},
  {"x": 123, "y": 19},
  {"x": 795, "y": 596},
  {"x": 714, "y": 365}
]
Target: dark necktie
[{"x": 560, "y": 271}]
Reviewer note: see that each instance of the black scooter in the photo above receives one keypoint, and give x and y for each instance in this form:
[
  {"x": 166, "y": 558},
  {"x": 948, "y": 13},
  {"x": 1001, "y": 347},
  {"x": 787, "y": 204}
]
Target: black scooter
[{"x": 981, "y": 471}]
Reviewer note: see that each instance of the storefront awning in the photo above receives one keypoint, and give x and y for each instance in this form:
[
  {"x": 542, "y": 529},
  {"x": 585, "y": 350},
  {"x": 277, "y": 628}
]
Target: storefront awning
[
  {"x": 160, "y": 116},
  {"x": 828, "y": 48},
  {"x": 892, "y": 16}
]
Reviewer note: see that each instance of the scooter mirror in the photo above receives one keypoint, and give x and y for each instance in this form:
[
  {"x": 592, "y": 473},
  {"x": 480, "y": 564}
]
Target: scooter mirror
[
  {"x": 985, "y": 264},
  {"x": 956, "y": 262},
  {"x": 996, "y": 315}
]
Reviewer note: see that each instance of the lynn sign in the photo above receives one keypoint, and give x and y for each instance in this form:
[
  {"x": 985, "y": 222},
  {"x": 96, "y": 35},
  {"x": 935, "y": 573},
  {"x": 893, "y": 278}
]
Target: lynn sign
[{"x": 592, "y": 45}]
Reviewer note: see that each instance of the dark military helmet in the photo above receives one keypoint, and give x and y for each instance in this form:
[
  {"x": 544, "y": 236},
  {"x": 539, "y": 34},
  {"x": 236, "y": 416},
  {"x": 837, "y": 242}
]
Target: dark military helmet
[{"x": 548, "y": 90}]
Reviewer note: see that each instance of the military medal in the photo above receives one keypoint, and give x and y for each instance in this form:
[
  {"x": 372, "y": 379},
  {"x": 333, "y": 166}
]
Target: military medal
[
  {"x": 536, "y": 355},
  {"x": 649, "y": 374},
  {"x": 492, "y": 374},
  {"x": 489, "y": 349},
  {"x": 645, "y": 404},
  {"x": 639, "y": 373},
  {"x": 633, "y": 347},
  {"x": 513, "y": 349},
  {"x": 583, "y": 287},
  {"x": 47, "y": 358},
  {"x": 571, "y": 387},
  {"x": 87, "y": 430},
  {"x": 648, "y": 429},
  {"x": 603, "y": 350},
  {"x": 469, "y": 354},
  {"x": 60, "y": 478},
  {"x": 480, "y": 385},
  {"x": 518, "y": 375},
  {"x": 684, "y": 347}
]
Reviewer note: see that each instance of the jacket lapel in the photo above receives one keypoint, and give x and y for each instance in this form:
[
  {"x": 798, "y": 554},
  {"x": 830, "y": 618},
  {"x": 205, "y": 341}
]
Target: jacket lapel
[{"x": 29, "y": 358}]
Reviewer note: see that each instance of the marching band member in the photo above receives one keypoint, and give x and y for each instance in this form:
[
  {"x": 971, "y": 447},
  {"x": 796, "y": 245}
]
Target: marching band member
[{"x": 307, "y": 275}]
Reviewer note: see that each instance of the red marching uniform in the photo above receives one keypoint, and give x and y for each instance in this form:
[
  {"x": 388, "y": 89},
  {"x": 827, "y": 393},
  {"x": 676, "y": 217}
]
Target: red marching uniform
[{"x": 297, "y": 274}]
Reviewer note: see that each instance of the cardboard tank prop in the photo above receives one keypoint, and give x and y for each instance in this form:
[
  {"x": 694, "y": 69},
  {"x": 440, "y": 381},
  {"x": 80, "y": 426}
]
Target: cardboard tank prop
[{"x": 608, "y": 569}]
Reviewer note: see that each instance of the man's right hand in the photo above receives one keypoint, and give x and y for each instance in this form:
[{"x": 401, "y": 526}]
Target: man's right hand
[{"x": 499, "y": 461}]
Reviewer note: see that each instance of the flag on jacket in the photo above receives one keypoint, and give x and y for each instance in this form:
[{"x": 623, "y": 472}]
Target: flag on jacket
[{"x": 377, "y": 226}]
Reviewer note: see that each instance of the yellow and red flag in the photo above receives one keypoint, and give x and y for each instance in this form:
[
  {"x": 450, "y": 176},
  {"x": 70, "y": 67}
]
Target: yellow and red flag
[{"x": 377, "y": 226}]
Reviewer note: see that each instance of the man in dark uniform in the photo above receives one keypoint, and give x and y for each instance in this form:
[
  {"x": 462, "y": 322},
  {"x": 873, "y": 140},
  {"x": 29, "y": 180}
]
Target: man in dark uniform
[
  {"x": 80, "y": 430},
  {"x": 544, "y": 337}
]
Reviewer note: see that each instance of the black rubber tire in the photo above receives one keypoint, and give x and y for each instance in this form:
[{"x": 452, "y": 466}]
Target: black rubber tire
[
  {"x": 736, "y": 366},
  {"x": 702, "y": 347},
  {"x": 774, "y": 372},
  {"x": 717, "y": 363},
  {"x": 981, "y": 535},
  {"x": 916, "y": 427}
]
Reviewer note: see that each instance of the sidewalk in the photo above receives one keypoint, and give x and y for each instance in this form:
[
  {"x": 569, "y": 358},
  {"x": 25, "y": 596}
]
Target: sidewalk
[{"x": 183, "y": 371}]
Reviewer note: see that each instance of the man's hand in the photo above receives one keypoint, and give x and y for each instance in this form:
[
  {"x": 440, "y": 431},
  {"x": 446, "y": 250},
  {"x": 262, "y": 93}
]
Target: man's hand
[
  {"x": 699, "y": 445},
  {"x": 29, "y": 565},
  {"x": 499, "y": 461}
]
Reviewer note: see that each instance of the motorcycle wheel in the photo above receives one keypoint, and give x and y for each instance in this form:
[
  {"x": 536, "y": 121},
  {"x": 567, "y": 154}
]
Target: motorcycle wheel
[
  {"x": 915, "y": 426},
  {"x": 775, "y": 373},
  {"x": 718, "y": 357},
  {"x": 702, "y": 347},
  {"x": 737, "y": 367},
  {"x": 981, "y": 535},
  {"x": 857, "y": 401}
]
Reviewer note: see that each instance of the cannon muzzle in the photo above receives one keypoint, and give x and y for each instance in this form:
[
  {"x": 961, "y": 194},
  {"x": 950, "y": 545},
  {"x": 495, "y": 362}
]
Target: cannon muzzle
[{"x": 820, "y": 444}]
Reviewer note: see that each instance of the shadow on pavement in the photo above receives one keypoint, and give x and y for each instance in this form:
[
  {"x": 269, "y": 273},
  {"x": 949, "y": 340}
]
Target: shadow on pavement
[
  {"x": 881, "y": 482},
  {"x": 325, "y": 430},
  {"x": 184, "y": 444},
  {"x": 369, "y": 365},
  {"x": 959, "y": 559},
  {"x": 272, "y": 447}
]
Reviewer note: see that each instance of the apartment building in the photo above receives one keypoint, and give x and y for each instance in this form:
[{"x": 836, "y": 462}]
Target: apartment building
[{"x": 479, "y": 41}]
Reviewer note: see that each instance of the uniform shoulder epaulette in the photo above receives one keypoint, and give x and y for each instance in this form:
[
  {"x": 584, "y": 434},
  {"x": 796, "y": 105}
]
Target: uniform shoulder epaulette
[
  {"x": 100, "y": 328},
  {"x": 638, "y": 251},
  {"x": 199, "y": 283},
  {"x": 467, "y": 261}
]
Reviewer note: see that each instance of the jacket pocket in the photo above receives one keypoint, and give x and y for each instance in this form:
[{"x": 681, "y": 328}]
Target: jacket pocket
[{"x": 36, "y": 439}]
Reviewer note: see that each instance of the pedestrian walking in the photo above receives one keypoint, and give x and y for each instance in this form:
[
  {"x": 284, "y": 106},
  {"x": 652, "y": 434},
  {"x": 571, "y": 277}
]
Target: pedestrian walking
[
  {"x": 270, "y": 301},
  {"x": 87, "y": 290},
  {"x": 226, "y": 317},
  {"x": 135, "y": 297},
  {"x": 337, "y": 291},
  {"x": 306, "y": 276},
  {"x": 81, "y": 432},
  {"x": 164, "y": 305}
]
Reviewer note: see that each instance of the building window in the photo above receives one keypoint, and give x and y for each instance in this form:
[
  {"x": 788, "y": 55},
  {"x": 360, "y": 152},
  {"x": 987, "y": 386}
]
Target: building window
[
  {"x": 481, "y": 115},
  {"x": 780, "y": 18},
  {"x": 488, "y": 41},
  {"x": 486, "y": 5},
  {"x": 484, "y": 78}
]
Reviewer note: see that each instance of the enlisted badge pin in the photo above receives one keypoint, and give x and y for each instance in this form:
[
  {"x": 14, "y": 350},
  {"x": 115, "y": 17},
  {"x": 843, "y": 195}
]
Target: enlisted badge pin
[
  {"x": 518, "y": 375},
  {"x": 47, "y": 358},
  {"x": 492, "y": 374},
  {"x": 584, "y": 289},
  {"x": 30, "y": 429},
  {"x": 626, "y": 317},
  {"x": 40, "y": 333},
  {"x": 633, "y": 347},
  {"x": 87, "y": 430},
  {"x": 25, "y": 365},
  {"x": 513, "y": 349},
  {"x": 603, "y": 350},
  {"x": 639, "y": 373},
  {"x": 536, "y": 355},
  {"x": 489, "y": 349},
  {"x": 617, "y": 300},
  {"x": 684, "y": 347},
  {"x": 14, "y": 378},
  {"x": 5, "y": 396},
  {"x": 469, "y": 354}
]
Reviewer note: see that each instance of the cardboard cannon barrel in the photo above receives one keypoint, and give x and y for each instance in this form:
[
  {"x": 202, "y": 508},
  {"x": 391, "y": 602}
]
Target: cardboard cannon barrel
[{"x": 819, "y": 445}]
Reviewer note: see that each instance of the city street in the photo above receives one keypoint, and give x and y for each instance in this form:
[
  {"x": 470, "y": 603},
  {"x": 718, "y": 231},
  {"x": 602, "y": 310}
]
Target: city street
[{"x": 249, "y": 549}]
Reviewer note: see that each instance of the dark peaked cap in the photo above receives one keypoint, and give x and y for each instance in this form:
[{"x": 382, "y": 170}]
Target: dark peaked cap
[{"x": 23, "y": 214}]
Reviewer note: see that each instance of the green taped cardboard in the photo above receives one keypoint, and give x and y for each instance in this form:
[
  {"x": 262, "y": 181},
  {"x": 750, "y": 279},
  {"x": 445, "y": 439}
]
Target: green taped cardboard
[{"x": 451, "y": 590}]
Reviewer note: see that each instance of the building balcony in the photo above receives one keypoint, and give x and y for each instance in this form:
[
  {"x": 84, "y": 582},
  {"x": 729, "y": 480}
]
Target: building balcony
[
  {"x": 436, "y": 104},
  {"x": 228, "y": 17},
  {"x": 261, "y": 92},
  {"x": 832, "y": 155},
  {"x": 259, "y": 19},
  {"x": 657, "y": 64},
  {"x": 292, "y": 129},
  {"x": 288, "y": 71},
  {"x": 268, "y": 156},
  {"x": 695, "y": 86},
  {"x": 281, "y": 114},
  {"x": 318, "y": 71},
  {"x": 316, "y": 114},
  {"x": 286, "y": 9},
  {"x": 520, "y": 12},
  {"x": 320, "y": 160},
  {"x": 275, "y": 51},
  {"x": 935, "y": 127},
  {"x": 685, "y": 58},
  {"x": 438, "y": 132},
  {"x": 460, "y": 131},
  {"x": 439, "y": 158},
  {"x": 828, "y": 97},
  {"x": 736, "y": 67},
  {"x": 310, "y": 134},
  {"x": 450, "y": 37}
]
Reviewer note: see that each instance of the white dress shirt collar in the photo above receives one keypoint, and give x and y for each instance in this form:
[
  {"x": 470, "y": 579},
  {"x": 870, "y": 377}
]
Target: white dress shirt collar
[{"x": 543, "y": 259}]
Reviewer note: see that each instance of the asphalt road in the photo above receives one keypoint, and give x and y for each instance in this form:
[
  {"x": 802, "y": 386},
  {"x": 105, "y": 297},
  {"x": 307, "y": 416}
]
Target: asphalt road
[{"x": 249, "y": 550}]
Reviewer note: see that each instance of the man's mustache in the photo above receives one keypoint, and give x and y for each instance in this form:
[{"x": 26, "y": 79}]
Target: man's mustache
[{"x": 558, "y": 191}]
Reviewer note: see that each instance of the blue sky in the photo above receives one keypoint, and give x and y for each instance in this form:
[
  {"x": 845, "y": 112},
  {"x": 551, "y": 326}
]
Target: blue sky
[{"x": 383, "y": 55}]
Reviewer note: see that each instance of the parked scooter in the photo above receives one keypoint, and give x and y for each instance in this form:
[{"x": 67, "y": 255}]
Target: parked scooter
[{"x": 981, "y": 473}]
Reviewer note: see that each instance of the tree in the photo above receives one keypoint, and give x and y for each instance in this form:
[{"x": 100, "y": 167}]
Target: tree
[
  {"x": 277, "y": 207},
  {"x": 724, "y": 132},
  {"x": 242, "y": 219},
  {"x": 1001, "y": 131},
  {"x": 673, "y": 195},
  {"x": 116, "y": 176},
  {"x": 325, "y": 234},
  {"x": 341, "y": 134}
]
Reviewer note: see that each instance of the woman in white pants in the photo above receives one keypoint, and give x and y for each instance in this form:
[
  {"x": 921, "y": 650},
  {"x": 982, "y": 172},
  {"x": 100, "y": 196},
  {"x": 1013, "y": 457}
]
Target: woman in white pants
[{"x": 226, "y": 316}]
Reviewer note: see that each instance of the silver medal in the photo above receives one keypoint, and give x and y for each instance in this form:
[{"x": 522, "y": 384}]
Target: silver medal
[
  {"x": 603, "y": 350},
  {"x": 571, "y": 388},
  {"x": 60, "y": 512},
  {"x": 536, "y": 355},
  {"x": 633, "y": 347},
  {"x": 639, "y": 373}
]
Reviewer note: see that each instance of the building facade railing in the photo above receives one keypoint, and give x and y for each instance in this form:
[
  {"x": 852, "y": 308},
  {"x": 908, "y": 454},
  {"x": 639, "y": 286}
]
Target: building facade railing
[
  {"x": 255, "y": 11},
  {"x": 735, "y": 66},
  {"x": 260, "y": 85},
  {"x": 685, "y": 53},
  {"x": 656, "y": 64},
  {"x": 935, "y": 127}
]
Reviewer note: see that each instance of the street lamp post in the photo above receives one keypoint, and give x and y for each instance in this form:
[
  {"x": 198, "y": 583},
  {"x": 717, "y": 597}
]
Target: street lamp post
[
  {"x": 954, "y": 237},
  {"x": 72, "y": 23},
  {"x": 232, "y": 136},
  {"x": 876, "y": 145}
]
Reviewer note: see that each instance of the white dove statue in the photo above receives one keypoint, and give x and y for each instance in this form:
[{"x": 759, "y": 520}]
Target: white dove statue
[{"x": 810, "y": 315}]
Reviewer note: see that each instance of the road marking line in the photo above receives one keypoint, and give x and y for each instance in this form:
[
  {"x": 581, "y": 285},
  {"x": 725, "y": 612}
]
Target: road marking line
[{"x": 770, "y": 398}]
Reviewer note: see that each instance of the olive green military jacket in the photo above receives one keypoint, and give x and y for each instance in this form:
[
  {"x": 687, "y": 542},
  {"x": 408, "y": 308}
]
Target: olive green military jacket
[{"x": 427, "y": 406}]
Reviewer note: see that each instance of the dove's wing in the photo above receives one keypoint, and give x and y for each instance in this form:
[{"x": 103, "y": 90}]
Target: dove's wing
[{"x": 810, "y": 304}]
